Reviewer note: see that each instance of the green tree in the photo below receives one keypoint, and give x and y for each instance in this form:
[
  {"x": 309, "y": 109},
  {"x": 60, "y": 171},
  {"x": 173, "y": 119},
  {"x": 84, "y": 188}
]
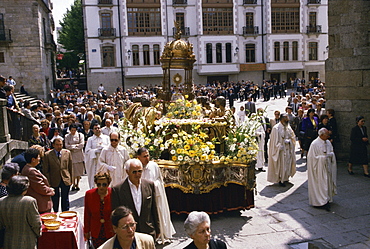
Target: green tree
[{"x": 71, "y": 35}]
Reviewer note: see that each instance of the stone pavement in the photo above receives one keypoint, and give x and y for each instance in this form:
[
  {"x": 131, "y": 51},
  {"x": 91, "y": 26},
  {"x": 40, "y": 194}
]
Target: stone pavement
[{"x": 282, "y": 217}]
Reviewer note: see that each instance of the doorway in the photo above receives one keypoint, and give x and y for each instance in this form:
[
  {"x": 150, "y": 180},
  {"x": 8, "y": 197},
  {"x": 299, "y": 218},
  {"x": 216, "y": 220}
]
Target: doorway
[{"x": 219, "y": 78}]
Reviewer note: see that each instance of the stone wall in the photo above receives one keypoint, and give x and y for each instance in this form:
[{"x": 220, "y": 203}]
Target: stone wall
[
  {"x": 348, "y": 66},
  {"x": 29, "y": 57}
]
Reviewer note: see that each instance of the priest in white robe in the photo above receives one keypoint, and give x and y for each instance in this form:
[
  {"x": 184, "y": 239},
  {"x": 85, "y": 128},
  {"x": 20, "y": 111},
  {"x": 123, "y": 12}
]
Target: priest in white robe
[
  {"x": 322, "y": 171},
  {"x": 112, "y": 160},
  {"x": 152, "y": 172},
  {"x": 282, "y": 161},
  {"x": 94, "y": 146}
]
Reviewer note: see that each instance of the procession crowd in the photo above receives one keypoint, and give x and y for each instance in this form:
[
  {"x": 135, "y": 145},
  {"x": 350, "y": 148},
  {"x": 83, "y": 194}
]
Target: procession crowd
[{"x": 126, "y": 207}]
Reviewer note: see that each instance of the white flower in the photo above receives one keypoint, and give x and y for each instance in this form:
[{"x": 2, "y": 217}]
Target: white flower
[
  {"x": 187, "y": 158},
  {"x": 233, "y": 147},
  {"x": 173, "y": 152},
  {"x": 180, "y": 158},
  {"x": 197, "y": 159}
]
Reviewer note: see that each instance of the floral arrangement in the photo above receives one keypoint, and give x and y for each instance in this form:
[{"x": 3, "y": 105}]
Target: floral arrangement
[
  {"x": 184, "y": 109},
  {"x": 187, "y": 140}
]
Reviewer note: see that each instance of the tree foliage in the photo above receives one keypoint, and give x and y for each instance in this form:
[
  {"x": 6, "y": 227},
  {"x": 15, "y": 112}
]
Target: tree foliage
[{"x": 71, "y": 35}]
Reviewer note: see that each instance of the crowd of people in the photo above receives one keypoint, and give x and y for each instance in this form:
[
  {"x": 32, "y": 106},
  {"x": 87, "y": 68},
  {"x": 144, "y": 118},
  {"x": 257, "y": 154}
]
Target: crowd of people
[{"x": 76, "y": 132}]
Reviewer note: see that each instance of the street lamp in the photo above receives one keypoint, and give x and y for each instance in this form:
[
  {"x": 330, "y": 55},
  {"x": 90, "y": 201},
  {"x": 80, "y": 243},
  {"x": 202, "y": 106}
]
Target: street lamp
[{"x": 236, "y": 51}]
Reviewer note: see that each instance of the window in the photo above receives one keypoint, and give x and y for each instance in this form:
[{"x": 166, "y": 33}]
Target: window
[
  {"x": 180, "y": 18},
  {"x": 156, "y": 54},
  {"x": 218, "y": 52},
  {"x": 135, "y": 55},
  {"x": 106, "y": 20},
  {"x": 144, "y": 21},
  {"x": 312, "y": 50},
  {"x": 228, "y": 52},
  {"x": 285, "y": 20},
  {"x": 277, "y": 51},
  {"x": 209, "y": 52},
  {"x": 286, "y": 51},
  {"x": 249, "y": 20},
  {"x": 2, "y": 57},
  {"x": 312, "y": 19},
  {"x": 217, "y": 20},
  {"x": 146, "y": 55},
  {"x": 108, "y": 56},
  {"x": 250, "y": 53},
  {"x": 295, "y": 51}
]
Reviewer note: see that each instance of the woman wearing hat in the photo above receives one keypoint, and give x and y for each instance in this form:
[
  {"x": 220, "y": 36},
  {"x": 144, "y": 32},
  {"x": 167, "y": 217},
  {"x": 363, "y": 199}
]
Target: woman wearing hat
[{"x": 359, "y": 141}]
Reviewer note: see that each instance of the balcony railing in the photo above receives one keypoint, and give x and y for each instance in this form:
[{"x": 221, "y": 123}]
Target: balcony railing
[
  {"x": 250, "y": 30},
  {"x": 105, "y": 2},
  {"x": 313, "y": 1},
  {"x": 185, "y": 32},
  {"x": 313, "y": 29},
  {"x": 249, "y": 1},
  {"x": 179, "y": 2},
  {"x": 107, "y": 32},
  {"x": 5, "y": 36}
]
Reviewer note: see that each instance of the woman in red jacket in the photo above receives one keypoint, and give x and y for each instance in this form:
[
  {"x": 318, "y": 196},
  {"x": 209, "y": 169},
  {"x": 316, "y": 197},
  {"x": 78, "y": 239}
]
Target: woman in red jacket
[{"x": 97, "y": 222}]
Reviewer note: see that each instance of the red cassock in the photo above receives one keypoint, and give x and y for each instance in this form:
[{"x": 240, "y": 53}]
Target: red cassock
[{"x": 92, "y": 217}]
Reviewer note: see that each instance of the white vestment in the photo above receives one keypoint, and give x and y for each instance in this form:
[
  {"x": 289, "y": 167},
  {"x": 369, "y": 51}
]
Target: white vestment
[
  {"x": 93, "y": 148},
  {"x": 151, "y": 172},
  {"x": 282, "y": 162},
  {"x": 322, "y": 172},
  {"x": 115, "y": 157},
  {"x": 260, "y": 134}
]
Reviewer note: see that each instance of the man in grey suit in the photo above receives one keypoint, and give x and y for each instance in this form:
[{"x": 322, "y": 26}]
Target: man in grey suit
[
  {"x": 250, "y": 107},
  {"x": 57, "y": 167},
  {"x": 138, "y": 195}
]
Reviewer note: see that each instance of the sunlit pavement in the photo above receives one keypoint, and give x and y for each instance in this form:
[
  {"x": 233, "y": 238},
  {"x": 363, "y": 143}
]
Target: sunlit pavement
[{"x": 282, "y": 217}]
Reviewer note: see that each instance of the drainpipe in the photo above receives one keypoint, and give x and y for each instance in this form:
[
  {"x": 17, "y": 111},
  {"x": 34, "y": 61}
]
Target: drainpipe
[
  {"x": 120, "y": 45},
  {"x": 263, "y": 43}
]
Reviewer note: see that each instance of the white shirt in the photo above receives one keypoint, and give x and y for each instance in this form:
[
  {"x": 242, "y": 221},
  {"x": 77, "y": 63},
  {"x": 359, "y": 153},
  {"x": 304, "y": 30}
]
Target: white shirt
[
  {"x": 136, "y": 195},
  {"x": 108, "y": 130}
]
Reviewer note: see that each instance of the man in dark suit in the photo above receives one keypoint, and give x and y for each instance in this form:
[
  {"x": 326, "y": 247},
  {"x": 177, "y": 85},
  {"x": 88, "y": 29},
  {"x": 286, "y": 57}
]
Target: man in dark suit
[
  {"x": 57, "y": 167},
  {"x": 138, "y": 195},
  {"x": 82, "y": 115},
  {"x": 250, "y": 107}
]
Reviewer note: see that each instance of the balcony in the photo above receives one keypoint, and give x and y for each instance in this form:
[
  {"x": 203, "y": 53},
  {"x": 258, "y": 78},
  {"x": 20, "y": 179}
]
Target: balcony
[
  {"x": 105, "y": 2},
  {"x": 313, "y": 1},
  {"x": 249, "y": 1},
  {"x": 107, "y": 32},
  {"x": 185, "y": 32},
  {"x": 313, "y": 29},
  {"x": 5, "y": 36},
  {"x": 179, "y": 2},
  {"x": 250, "y": 30}
]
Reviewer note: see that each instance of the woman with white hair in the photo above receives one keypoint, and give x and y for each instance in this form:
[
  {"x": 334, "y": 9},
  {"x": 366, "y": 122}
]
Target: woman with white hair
[{"x": 198, "y": 227}]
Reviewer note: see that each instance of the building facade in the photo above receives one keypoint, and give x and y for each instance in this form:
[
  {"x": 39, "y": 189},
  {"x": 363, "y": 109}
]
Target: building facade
[
  {"x": 233, "y": 40},
  {"x": 27, "y": 48}
]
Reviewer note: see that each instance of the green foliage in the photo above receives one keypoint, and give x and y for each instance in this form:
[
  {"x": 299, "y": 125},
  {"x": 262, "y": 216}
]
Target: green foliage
[
  {"x": 71, "y": 35},
  {"x": 70, "y": 60}
]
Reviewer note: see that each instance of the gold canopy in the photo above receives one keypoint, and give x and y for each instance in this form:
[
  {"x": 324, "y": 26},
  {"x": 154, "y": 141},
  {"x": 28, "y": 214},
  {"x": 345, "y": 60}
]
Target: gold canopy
[{"x": 177, "y": 54}]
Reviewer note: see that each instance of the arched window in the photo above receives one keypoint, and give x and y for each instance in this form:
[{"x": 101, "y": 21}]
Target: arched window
[
  {"x": 277, "y": 51},
  {"x": 218, "y": 52},
  {"x": 156, "y": 54},
  {"x": 209, "y": 52},
  {"x": 146, "y": 55},
  {"x": 135, "y": 55}
]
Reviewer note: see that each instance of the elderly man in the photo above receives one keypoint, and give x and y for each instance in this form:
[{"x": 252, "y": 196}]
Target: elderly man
[
  {"x": 108, "y": 128},
  {"x": 138, "y": 195},
  {"x": 57, "y": 167},
  {"x": 322, "y": 171},
  {"x": 112, "y": 159},
  {"x": 282, "y": 160},
  {"x": 94, "y": 146},
  {"x": 124, "y": 227},
  {"x": 152, "y": 173}
]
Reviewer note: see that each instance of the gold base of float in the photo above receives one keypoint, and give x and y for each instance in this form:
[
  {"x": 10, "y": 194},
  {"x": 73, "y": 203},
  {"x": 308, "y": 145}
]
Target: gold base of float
[{"x": 201, "y": 178}]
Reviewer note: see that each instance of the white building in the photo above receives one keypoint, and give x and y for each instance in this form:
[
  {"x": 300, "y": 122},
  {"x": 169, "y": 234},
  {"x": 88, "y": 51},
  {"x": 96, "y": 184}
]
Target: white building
[{"x": 233, "y": 40}]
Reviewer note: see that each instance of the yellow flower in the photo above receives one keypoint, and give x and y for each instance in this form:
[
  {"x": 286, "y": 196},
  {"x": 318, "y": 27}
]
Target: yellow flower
[
  {"x": 187, "y": 147},
  {"x": 203, "y": 135},
  {"x": 192, "y": 153},
  {"x": 172, "y": 104},
  {"x": 203, "y": 157},
  {"x": 186, "y": 96},
  {"x": 179, "y": 150},
  {"x": 188, "y": 104},
  {"x": 174, "y": 158},
  {"x": 176, "y": 112},
  {"x": 198, "y": 108}
]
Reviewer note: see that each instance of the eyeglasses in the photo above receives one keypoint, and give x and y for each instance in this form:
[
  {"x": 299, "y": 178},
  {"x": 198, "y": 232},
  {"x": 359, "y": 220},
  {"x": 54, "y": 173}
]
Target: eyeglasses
[
  {"x": 97, "y": 128},
  {"x": 101, "y": 184},
  {"x": 127, "y": 226},
  {"x": 114, "y": 140},
  {"x": 137, "y": 171}
]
